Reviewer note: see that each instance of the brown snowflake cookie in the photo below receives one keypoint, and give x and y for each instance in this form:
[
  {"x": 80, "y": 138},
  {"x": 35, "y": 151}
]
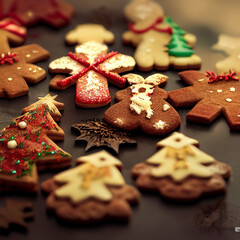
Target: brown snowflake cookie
[
  {"x": 90, "y": 68},
  {"x": 16, "y": 68},
  {"x": 52, "y": 105},
  {"x": 98, "y": 133},
  {"x": 89, "y": 32},
  {"x": 15, "y": 215},
  {"x": 143, "y": 105},
  {"x": 56, "y": 13},
  {"x": 231, "y": 47},
  {"x": 180, "y": 171},
  {"x": 92, "y": 192},
  {"x": 211, "y": 96},
  {"x": 160, "y": 42},
  {"x": 27, "y": 144}
]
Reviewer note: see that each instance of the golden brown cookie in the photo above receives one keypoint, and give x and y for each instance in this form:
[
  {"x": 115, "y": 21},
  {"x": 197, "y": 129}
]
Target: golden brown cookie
[
  {"x": 143, "y": 105},
  {"x": 180, "y": 171},
  {"x": 160, "y": 42},
  {"x": 89, "y": 32},
  {"x": 92, "y": 192}
]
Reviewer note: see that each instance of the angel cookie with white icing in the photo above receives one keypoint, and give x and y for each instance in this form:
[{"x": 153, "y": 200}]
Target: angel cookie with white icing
[
  {"x": 180, "y": 171},
  {"x": 91, "y": 192},
  {"x": 143, "y": 105}
]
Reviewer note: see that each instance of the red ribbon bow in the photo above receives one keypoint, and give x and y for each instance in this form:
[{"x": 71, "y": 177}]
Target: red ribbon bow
[{"x": 226, "y": 77}]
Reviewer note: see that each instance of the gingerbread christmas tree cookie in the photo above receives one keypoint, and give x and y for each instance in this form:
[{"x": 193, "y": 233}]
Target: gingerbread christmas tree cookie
[
  {"x": 143, "y": 105},
  {"x": 211, "y": 95},
  {"x": 89, "y": 32},
  {"x": 56, "y": 13},
  {"x": 52, "y": 105},
  {"x": 91, "y": 192},
  {"x": 160, "y": 42},
  {"x": 180, "y": 171},
  {"x": 27, "y": 143}
]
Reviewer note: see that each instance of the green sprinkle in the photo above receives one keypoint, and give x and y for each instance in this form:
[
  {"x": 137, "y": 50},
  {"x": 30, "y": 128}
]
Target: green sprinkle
[
  {"x": 27, "y": 137},
  {"x": 18, "y": 161},
  {"x": 38, "y": 133},
  {"x": 43, "y": 143},
  {"x": 1, "y": 158},
  {"x": 39, "y": 154},
  {"x": 43, "y": 123},
  {"x": 14, "y": 171},
  {"x": 21, "y": 145},
  {"x": 12, "y": 124},
  {"x": 12, "y": 138},
  {"x": 53, "y": 152},
  {"x": 3, "y": 139}
]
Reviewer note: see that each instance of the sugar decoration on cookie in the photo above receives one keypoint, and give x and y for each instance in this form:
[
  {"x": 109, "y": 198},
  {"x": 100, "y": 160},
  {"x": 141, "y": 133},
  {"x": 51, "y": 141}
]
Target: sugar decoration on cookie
[
  {"x": 90, "y": 67},
  {"x": 93, "y": 191},
  {"x": 98, "y": 133},
  {"x": 25, "y": 143},
  {"x": 180, "y": 171},
  {"x": 56, "y": 13},
  {"x": 160, "y": 42},
  {"x": 143, "y": 105},
  {"x": 211, "y": 95},
  {"x": 89, "y": 32}
]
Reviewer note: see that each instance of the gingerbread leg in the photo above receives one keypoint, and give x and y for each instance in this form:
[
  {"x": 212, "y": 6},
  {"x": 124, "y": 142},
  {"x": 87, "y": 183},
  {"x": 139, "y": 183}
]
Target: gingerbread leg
[
  {"x": 204, "y": 112},
  {"x": 232, "y": 114}
]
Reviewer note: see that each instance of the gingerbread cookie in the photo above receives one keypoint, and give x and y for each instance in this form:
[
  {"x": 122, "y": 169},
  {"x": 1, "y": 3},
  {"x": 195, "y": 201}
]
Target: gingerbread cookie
[
  {"x": 90, "y": 67},
  {"x": 211, "y": 96},
  {"x": 98, "y": 133},
  {"x": 231, "y": 47},
  {"x": 89, "y": 32},
  {"x": 52, "y": 105},
  {"x": 180, "y": 171},
  {"x": 143, "y": 105},
  {"x": 56, "y": 13},
  {"x": 16, "y": 68},
  {"x": 27, "y": 143},
  {"x": 15, "y": 215},
  {"x": 160, "y": 42},
  {"x": 91, "y": 192}
]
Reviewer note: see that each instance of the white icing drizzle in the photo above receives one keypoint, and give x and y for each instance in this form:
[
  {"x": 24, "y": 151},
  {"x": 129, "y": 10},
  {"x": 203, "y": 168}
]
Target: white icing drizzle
[
  {"x": 165, "y": 107},
  {"x": 141, "y": 101}
]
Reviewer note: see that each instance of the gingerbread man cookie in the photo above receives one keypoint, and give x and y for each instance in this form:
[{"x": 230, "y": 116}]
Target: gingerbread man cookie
[
  {"x": 143, "y": 105},
  {"x": 89, "y": 32},
  {"x": 91, "y": 192},
  {"x": 180, "y": 171},
  {"x": 230, "y": 46},
  {"x": 56, "y": 13},
  {"x": 90, "y": 67},
  {"x": 211, "y": 96},
  {"x": 160, "y": 42}
]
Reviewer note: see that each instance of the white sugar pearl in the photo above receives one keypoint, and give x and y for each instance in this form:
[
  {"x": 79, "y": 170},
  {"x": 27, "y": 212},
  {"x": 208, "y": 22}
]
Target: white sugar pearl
[
  {"x": 12, "y": 144},
  {"x": 22, "y": 125}
]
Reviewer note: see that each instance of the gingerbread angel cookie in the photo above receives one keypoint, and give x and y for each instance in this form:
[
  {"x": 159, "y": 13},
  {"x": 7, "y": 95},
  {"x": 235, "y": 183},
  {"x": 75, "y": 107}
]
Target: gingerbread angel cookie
[
  {"x": 143, "y": 105},
  {"x": 211, "y": 95},
  {"x": 27, "y": 145},
  {"x": 160, "y": 42},
  {"x": 89, "y": 32},
  {"x": 230, "y": 46},
  {"x": 92, "y": 192},
  {"x": 180, "y": 171},
  {"x": 90, "y": 67},
  {"x": 56, "y": 13}
]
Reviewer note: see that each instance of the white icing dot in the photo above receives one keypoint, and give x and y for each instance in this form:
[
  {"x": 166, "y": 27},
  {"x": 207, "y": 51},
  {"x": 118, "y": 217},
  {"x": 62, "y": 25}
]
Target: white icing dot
[
  {"x": 30, "y": 69},
  {"x": 238, "y": 115},
  {"x": 211, "y": 91},
  {"x": 9, "y": 79},
  {"x": 35, "y": 51},
  {"x": 148, "y": 50},
  {"x": 165, "y": 107},
  {"x": 12, "y": 144},
  {"x": 28, "y": 55},
  {"x": 34, "y": 70},
  {"x": 19, "y": 68},
  {"x": 228, "y": 99},
  {"x": 232, "y": 89},
  {"x": 39, "y": 69},
  {"x": 22, "y": 125},
  {"x": 200, "y": 80},
  {"x": 219, "y": 90}
]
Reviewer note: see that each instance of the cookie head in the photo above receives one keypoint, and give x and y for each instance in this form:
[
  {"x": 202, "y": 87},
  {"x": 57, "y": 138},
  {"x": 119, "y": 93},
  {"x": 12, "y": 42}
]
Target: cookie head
[{"x": 140, "y": 10}]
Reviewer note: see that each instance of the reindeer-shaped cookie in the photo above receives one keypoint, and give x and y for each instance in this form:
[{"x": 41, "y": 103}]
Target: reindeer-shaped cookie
[
  {"x": 231, "y": 46},
  {"x": 160, "y": 42},
  {"x": 143, "y": 105}
]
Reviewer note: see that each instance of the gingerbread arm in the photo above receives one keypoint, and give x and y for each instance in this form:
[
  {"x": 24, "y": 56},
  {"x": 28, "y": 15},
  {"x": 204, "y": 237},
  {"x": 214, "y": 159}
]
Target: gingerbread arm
[
  {"x": 191, "y": 39},
  {"x": 121, "y": 95},
  {"x": 132, "y": 38},
  {"x": 32, "y": 53},
  {"x": 183, "y": 97},
  {"x": 192, "y": 77},
  {"x": 232, "y": 113}
]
